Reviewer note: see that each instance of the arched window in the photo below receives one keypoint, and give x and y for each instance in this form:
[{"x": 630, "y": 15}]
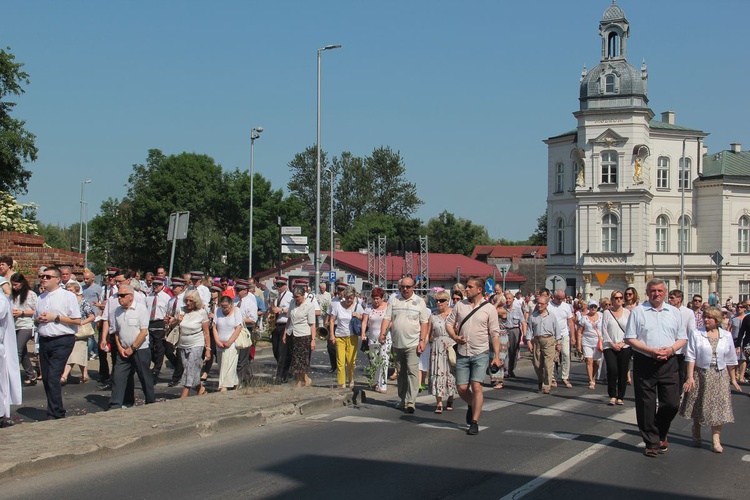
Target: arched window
[
  {"x": 662, "y": 234},
  {"x": 685, "y": 173},
  {"x": 609, "y": 167},
  {"x": 609, "y": 84},
  {"x": 743, "y": 235},
  {"x": 613, "y": 45},
  {"x": 560, "y": 236},
  {"x": 683, "y": 234},
  {"x": 662, "y": 173},
  {"x": 609, "y": 233}
]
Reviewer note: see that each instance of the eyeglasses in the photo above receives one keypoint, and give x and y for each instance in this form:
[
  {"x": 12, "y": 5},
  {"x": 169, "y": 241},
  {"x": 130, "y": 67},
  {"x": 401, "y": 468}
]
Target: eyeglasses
[
  {"x": 456, "y": 298},
  {"x": 697, "y": 300},
  {"x": 440, "y": 301},
  {"x": 406, "y": 286},
  {"x": 47, "y": 276},
  {"x": 121, "y": 295},
  {"x": 628, "y": 293},
  {"x": 619, "y": 297},
  {"x": 120, "y": 281}
]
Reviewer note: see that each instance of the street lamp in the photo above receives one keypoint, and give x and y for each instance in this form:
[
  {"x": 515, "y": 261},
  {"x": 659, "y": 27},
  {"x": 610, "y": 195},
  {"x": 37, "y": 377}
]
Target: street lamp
[
  {"x": 330, "y": 171},
  {"x": 317, "y": 198},
  {"x": 254, "y": 134},
  {"x": 80, "y": 221}
]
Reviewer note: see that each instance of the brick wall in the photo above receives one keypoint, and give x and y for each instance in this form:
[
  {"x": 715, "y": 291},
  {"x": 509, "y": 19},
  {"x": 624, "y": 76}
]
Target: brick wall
[{"x": 29, "y": 252}]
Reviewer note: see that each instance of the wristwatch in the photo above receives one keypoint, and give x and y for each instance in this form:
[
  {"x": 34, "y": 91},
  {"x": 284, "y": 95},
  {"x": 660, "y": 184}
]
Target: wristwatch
[{"x": 57, "y": 319}]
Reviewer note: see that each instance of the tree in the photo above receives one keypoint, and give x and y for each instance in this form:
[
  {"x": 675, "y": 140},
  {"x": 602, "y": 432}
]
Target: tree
[
  {"x": 448, "y": 234},
  {"x": 65, "y": 238},
  {"x": 401, "y": 233},
  {"x": 14, "y": 216},
  {"x": 17, "y": 145},
  {"x": 391, "y": 193},
  {"x": 303, "y": 186},
  {"x": 539, "y": 237},
  {"x": 353, "y": 191}
]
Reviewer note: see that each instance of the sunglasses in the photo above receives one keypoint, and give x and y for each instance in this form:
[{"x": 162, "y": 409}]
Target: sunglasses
[
  {"x": 121, "y": 295},
  {"x": 617, "y": 298},
  {"x": 47, "y": 276},
  {"x": 440, "y": 301},
  {"x": 406, "y": 286}
]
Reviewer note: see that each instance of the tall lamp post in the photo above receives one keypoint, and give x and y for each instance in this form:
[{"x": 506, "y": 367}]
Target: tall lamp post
[
  {"x": 317, "y": 198},
  {"x": 254, "y": 134},
  {"x": 330, "y": 171},
  {"x": 80, "y": 222}
]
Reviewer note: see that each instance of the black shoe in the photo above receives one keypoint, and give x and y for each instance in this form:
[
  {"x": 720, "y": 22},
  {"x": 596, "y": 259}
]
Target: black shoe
[
  {"x": 469, "y": 415},
  {"x": 510, "y": 375},
  {"x": 172, "y": 383},
  {"x": 409, "y": 407},
  {"x": 332, "y": 370},
  {"x": 473, "y": 428}
]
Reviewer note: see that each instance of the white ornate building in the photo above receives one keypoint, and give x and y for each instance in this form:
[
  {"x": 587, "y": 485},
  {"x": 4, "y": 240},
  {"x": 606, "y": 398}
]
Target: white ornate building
[{"x": 631, "y": 197}]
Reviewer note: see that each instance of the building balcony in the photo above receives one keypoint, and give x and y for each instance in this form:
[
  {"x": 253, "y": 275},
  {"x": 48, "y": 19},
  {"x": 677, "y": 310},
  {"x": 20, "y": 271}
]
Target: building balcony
[
  {"x": 665, "y": 260},
  {"x": 606, "y": 259}
]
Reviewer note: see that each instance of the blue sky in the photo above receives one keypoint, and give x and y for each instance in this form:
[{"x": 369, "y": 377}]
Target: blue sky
[{"x": 466, "y": 91}]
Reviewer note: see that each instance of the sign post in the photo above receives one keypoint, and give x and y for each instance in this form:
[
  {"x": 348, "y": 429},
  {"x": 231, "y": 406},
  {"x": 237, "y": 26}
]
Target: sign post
[
  {"x": 177, "y": 230},
  {"x": 602, "y": 279},
  {"x": 503, "y": 268}
]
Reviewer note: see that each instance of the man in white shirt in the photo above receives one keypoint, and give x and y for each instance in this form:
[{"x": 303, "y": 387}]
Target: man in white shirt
[
  {"x": 176, "y": 303},
  {"x": 516, "y": 328},
  {"x": 158, "y": 307},
  {"x": 247, "y": 304},
  {"x": 57, "y": 317},
  {"x": 196, "y": 279},
  {"x": 675, "y": 299},
  {"x": 131, "y": 320},
  {"x": 281, "y": 309},
  {"x": 565, "y": 326}
]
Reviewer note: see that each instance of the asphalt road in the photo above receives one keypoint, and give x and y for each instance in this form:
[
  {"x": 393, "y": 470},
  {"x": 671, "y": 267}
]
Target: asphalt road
[{"x": 566, "y": 445}]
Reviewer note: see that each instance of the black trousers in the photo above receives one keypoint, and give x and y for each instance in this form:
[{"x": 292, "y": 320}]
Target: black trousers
[
  {"x": 514, "y": 344},
  {"x": 331, "y": 347},
  {"x": 655, "y": 380},
  {"x": 104, "y": 371},
  {"x": 156, "y": 343},
  {"x": 53, "y": 356},
  {"x": 170, "y": 351},
  {"x": 682, "y": 369},
  {"x": 617, "y": 372},
  {"x": 122, "y": 376},
  {"x": 281, "y": 351}
]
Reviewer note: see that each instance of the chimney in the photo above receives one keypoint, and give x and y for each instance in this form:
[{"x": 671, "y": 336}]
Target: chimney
[
  {"x": 736, "y": 147},
  {"x": 668, "y": 117}
]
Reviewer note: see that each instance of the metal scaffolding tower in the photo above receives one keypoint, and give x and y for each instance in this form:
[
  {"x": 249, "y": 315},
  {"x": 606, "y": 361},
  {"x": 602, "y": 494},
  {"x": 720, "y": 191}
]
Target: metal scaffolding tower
[
  {"x": 371, "y": 262},
  {"x": 424, "y": 263},
  {"x": 382, "y": 263}
]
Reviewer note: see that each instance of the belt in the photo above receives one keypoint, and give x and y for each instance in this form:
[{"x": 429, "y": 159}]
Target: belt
[{"x": 542, "y": 336}]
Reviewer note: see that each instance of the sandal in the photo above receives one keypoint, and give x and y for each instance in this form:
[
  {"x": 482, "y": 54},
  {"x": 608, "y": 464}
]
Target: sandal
[
  {"x": 29, "y": 382},
  {"x": 202, "y": 391},
  {"x": 592, "y": 385},
  {"x": 499, "y": 385},
  {"x": 449, "y": 405},
  {"x": 439, "y": 409},
  {"x": 567, "y": 384},
  {"x": 619, "y": 402}
]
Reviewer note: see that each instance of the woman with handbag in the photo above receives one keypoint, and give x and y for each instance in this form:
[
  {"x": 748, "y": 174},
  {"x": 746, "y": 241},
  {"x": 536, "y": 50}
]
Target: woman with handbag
[
  {"x": 193, "y": 348},
  {"x": 378, "y": 353},
  {"x": 301, "y": 325},
  {"x": 79, "y": 355},
  {"x": 228, "y": 324},
  {"x": 442, "y": 380},
  {"x": 345, "y": 327},
  {"x": 24, "y": 304},
  {"x": 616, "y": 351},
  {"x": 590, "y": 341}
]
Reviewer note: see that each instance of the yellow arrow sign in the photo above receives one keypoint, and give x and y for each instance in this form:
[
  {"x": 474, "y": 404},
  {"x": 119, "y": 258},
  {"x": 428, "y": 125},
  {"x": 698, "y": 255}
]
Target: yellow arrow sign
[{"x": 602, "y": 278}]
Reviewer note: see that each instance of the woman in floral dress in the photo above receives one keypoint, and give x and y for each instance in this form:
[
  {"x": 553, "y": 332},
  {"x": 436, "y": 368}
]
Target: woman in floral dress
[
  {"x": 378, "y": 353},
  {"x": 502, "y": 317},
  {"x": 442, "y": 380}
]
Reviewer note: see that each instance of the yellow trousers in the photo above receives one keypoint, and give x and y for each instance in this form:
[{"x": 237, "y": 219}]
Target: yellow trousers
[{"x": 346, "y": 357}]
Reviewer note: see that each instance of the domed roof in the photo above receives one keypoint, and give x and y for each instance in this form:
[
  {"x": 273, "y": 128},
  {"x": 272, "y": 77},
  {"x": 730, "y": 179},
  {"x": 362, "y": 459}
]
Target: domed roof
[
  {"x": 613, "y": 13},
  {"x": 629, "y": 80}
]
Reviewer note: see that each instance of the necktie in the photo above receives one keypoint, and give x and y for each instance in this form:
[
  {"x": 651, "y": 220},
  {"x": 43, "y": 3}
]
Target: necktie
[{"x": 153, "y": 308}]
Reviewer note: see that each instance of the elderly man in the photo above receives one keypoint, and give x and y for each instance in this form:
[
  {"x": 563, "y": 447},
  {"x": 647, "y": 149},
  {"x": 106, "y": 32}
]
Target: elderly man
[
  {"x": 565, "y": 325},
  {"x": 158, "y": 307},
  {"x": 515, "y": 330},
  {"x": 655, "y": 332},
  {"x": 408, "y": 318},
  {"x": 57, "y": 317},
  {"x": 176, "y": 303},
  {"x": 473, "y": 325},
  {"x": 247, "y": 303},
  {"x": 542, "y": 336},
  {"x": 131, "y": 320},
  {"x": 281, "y": 310}
]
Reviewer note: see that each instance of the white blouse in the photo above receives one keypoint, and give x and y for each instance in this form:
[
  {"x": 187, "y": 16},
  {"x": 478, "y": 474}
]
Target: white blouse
[
  {"x": 613, "y": 329},
  {"x": 699, "y": 350}
]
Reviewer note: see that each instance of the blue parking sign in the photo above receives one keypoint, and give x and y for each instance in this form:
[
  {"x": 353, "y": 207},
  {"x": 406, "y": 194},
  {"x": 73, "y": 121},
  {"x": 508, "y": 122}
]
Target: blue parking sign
[{"x": 332, "y": 276}]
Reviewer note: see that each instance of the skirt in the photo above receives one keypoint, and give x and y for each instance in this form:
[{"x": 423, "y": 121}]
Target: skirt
[
  {"x": 710, "y": 400},
  {"x": 227, "y": 358},
  {"x": 192, "y": 360},
  {"x": 300, "y": 355},
  {"x": 80, "y": 353}
]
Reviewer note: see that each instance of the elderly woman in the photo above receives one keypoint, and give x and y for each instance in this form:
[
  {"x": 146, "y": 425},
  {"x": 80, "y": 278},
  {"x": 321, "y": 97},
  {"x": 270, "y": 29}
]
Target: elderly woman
[
  {"x": 711, "y": 366},
  {"x": 589, "y": 335},
  {"x": 228, "y": 324},
  {"x": 616, "y": 351},
  {"x": 301, "y": 325},
  {"x": 79, "y": 355},
  {"x": 378, "y": 353},
  {"x": 344, "y": 334},
  {"x": 193, "y": 346},
  {"x": 502, "y": 316},
  {"x": 442, "y": 380},
  {"x": 24, "y": 303}
]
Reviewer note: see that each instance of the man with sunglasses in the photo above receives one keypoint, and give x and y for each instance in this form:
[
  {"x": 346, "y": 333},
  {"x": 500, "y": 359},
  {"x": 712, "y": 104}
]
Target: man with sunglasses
[
  {"x": 57, "y": 317},
  {"x": 408, "y": 318},
  {"x": 697, "y": 306},
  {"x": 131, "y": 320}
]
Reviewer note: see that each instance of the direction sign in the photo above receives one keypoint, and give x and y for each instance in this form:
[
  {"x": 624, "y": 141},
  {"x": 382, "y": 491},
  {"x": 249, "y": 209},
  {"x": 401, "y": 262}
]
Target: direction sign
[
  {"x": 291, "y": 229},
  {"x": 489, "y": 285},
  {"x": 294, "y": 249},
  {"x": 311, "y": 256},
  {"x": 332, "y": 276},
  {"x": 503, "y": 268},
  {"x": 294, "y": 240},
  {"x": 350, "y": 279}
]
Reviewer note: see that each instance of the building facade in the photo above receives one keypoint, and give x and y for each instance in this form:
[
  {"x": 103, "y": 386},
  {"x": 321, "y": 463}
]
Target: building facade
[{"x": 631, "y": 197}]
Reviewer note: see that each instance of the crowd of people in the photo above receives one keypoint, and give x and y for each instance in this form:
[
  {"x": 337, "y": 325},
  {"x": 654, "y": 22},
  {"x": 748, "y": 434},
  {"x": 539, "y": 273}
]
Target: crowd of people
[{"x": 679, "y": 359}]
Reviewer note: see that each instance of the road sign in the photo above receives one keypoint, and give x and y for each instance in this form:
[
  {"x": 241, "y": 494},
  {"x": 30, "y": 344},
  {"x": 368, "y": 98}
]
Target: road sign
[
  {"x": 332, "y": 276},
  {"x": 291, "y": 229},
  {"x": 178, "y": 223},
  {"x": 294, "y": 240},
  {"x": 489, "y": 285},
  {"x": 601, "y": 278},
  {"x": 554, "y": 282},
  {"x": 311, "y": 256},
  {"x": 503, "y": 268},
  {"x": 294, "y": 249},
  {"x": 350, "y": 279},
  {"x": 717, "y": 257}
]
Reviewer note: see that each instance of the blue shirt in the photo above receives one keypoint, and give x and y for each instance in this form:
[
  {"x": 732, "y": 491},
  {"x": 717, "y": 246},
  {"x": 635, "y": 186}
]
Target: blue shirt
[{"x": 656, "y": 328}]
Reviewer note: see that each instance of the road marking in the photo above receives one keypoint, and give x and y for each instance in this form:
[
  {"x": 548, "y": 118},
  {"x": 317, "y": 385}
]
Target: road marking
[
  {"x": 491, "y": 405},
  {"x": 559, "y": 409},
  {"x": 361, "y": 420},
  {"x": 624, "y": 416},
  {"x": 449, "y": 426},
  {"x": 562, "y": 468},
  {"x": 548, "y": 435},
  {"x": 746, "y": 458}
]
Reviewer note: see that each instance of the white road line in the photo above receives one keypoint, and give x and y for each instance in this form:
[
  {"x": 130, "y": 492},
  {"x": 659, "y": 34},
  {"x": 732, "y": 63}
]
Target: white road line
[
  {"x": 746, "y": 458},
  {"x": 449, "y": 426},
  {"x": 491, "y": 405},
  {"x": 562, "y": 468},
  {"x": 624, "y": 416},
  {"x": 548, "y": 435},
  {"x": 361, "y": 420},
  {"x": 563, "y": 407}
]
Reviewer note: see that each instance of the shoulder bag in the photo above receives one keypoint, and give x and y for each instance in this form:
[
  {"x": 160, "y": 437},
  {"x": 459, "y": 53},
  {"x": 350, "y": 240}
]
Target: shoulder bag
[{"x": 458, "y": 333}]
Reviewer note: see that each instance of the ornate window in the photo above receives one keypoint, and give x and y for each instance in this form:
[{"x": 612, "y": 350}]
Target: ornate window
[
  {"x": 683, "y": 234},
  {"x": 609, "y": 233},
  {"x": 662, "y": 234},
  {"x": 685, "y": 173},
  {"x": 743, "y": 235},
  {"x": 609, "y": 167},
  {"x": 609, "y": 84},
  {"x": 662, "y": 173},
  {"x": 559, "y": 236},
  {"x": 559, "y": 178}
]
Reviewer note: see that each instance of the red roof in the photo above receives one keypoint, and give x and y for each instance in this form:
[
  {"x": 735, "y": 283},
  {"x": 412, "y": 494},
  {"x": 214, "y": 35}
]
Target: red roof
[{"x": 510, "y": 251}]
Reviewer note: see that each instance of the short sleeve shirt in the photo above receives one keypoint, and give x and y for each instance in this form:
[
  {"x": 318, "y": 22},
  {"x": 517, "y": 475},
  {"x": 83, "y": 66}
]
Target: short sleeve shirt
[{"x": 406, "y": 317}]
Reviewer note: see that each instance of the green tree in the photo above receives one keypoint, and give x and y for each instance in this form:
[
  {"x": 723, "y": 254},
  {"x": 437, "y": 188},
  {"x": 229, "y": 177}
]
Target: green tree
[
  {"x": 353, "y": 191},
  {"x": 303, "y": 186},
  {"x": 65, "y": 238},
  {"x": 390, "y": 192},
  {"x": 17, "y": 145},
  {"x": 448, "y": 234},
  {"x": 539, "y": 237},
  {"x": 401, "y": 233},
  {"x": 14, "y": 216}
]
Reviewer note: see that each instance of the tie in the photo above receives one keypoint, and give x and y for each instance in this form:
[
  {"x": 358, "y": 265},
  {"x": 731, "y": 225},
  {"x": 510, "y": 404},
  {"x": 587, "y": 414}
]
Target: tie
[{"x": 153, "y": 308}]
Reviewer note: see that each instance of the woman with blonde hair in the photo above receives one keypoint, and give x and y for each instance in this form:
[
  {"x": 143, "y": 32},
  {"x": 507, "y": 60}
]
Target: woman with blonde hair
[
  {"x": 442, "y": 380},
  {"x": 344, "y": 323}
]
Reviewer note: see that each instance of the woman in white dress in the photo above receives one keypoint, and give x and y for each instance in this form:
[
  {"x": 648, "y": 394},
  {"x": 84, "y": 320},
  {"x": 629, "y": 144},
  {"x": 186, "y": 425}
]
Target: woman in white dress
[
  {"x": 589, "y": 335},
  {"x": 10, "y": 375},
  {"x": 378, "y": 353},
  {"x": 227, "y": 327}
]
